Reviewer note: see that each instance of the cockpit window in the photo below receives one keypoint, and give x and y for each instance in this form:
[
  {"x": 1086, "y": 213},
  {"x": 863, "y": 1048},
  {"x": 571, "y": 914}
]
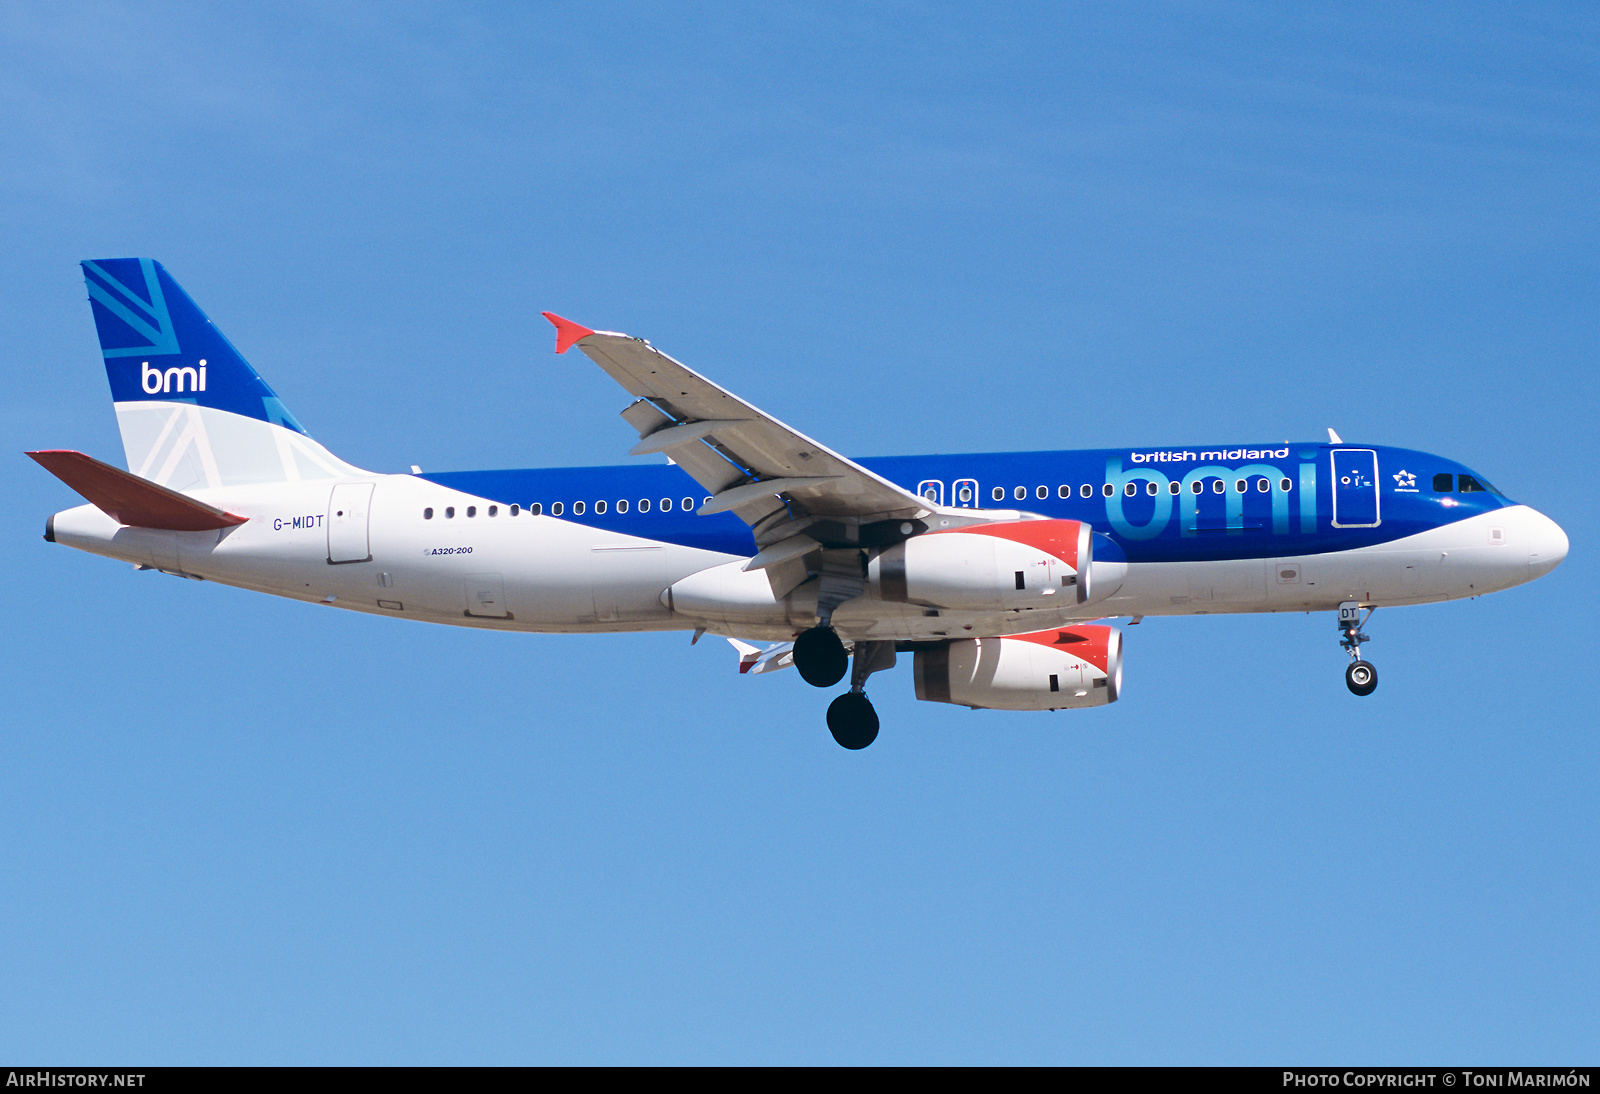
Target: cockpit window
[
  {"x": 1469, "y": 485},
  {"x": 1443, "y": 483}
]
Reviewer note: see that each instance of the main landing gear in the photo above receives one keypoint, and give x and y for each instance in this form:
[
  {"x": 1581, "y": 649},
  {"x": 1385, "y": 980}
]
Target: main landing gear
[
  {"x": 1361, "y": 678},
  {"x": 851, "y": 719},
  {"x": 820, "y": 656}
]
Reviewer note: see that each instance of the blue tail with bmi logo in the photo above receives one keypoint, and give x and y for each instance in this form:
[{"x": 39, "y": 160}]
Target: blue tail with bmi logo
[{"x": 192, "y": 412}]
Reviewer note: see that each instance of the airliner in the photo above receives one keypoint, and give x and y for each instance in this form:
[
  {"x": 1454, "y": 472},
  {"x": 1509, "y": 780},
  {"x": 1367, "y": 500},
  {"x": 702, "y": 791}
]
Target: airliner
[{"x": 995, "y": 572}]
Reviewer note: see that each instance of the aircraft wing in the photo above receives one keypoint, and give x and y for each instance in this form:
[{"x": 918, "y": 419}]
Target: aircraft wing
[{"x": 747, "y": 460}]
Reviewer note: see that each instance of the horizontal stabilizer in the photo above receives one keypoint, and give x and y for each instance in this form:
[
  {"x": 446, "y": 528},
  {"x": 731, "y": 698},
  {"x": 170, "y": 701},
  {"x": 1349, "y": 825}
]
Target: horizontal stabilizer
[
  {"x": 758, "y": 660},
  {"x": 128, "y": 499}
]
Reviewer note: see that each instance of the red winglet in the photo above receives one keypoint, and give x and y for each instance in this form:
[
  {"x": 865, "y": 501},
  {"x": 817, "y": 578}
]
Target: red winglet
[
  {"x": 567, "y": 332},
  {"x": 128, "y": 499}
]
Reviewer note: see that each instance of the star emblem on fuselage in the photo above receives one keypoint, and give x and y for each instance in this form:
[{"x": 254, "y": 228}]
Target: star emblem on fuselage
[{"x": 1405, "y": 480}]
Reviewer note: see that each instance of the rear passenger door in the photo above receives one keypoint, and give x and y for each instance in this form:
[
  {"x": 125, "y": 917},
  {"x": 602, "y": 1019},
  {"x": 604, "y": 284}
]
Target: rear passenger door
[{"x": 349, "y": 507}]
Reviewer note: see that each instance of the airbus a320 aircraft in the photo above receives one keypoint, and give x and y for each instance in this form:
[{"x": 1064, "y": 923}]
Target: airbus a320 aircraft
[{"x": 988, "y": 569}]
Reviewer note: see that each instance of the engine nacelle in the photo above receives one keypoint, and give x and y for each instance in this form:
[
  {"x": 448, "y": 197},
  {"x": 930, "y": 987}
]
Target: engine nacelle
[
  {"x": 1047, "y": 670},
  {"x": 1005, "y": 565}
]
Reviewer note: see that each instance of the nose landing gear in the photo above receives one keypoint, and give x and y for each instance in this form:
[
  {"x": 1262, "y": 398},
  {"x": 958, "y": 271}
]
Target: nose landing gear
[{"x": 1360, "y": 677}]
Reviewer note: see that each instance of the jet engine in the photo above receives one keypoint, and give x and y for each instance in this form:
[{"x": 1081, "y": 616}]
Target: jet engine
[
  {"x": 1047, "y": 670},
  {"x": 1005, "y": 565}
]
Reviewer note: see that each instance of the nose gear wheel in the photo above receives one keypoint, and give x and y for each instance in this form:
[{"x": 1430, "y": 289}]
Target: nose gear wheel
[{"x": 1360, "y": 677}]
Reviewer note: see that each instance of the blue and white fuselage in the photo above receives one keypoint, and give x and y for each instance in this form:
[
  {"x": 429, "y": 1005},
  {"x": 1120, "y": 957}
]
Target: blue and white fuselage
[
  {"x": 626, "y": 534},
  {"x": 752, "y": 530}
]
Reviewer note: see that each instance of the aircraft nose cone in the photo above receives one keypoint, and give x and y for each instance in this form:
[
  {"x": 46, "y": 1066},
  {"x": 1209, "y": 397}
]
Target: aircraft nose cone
[{"x": 1547, "y": 544}]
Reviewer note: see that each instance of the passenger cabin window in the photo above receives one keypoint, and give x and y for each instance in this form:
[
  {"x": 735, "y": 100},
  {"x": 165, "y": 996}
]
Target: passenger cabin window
[
  {"x": 1020, "y": 492},
  {"x": 1285, "y": 485},
  {"x": 1042, "y": 492},
  {"x": 1262, "y": 486},
  {"x": 1063, "y": 491},
  {"x": 449, "y": 511},
  {"x": 1130, "y": 489},
  {"x": 1217, "y": 487},
  {"x": 427, "y": 514},
  {"x": 494, "y": 510},
  {"x": 578, "y": 508},
  {"x": 1443, "y": 482},
  {"x": 999, "y": 493},
  {"x": 1150, "y": 488},
  {"x": 644, "y": 505},
  {"x": 687, "y": 504},
  {"x": 1108, "y": 490},
  {"x": 1086, "y": 491},
  {"x": 515, "y": 509},
  {"x": 1197, "y": 487},
  {"x": 557, "y": 509},
  {"x": 1174, "y": 488},
  {"x": 1240, "y": 486},
  {"x": 472, "y": 510},
  {"x": 536, "y": 509},
  {"x": 666, "y": 505},
  {"x": 600, "y": 507},
  {"x": 622, "y": 505}
]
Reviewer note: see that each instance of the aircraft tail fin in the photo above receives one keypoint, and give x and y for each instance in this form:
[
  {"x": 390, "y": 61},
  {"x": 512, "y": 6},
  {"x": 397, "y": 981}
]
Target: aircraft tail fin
[{"x": 192, "y": 411}]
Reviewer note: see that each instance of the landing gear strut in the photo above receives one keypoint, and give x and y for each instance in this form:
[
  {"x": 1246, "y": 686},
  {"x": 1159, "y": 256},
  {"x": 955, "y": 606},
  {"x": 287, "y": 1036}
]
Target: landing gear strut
[
  {"x": 851, "y": 719},
  {"x": 818, "y": 653},
  {"x": 1361, "y": 678}
]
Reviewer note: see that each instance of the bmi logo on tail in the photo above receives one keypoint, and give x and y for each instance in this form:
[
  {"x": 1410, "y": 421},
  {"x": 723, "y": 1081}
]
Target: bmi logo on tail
[{"x": 156, "y": 382}]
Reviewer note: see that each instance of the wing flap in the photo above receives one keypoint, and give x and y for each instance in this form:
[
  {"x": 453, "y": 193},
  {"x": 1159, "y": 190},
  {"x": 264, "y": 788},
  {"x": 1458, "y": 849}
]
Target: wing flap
[
  {"x": 735, "y": 496},
  {"x": 784, "y": 550},
  {"x": 673, "y": 436}
]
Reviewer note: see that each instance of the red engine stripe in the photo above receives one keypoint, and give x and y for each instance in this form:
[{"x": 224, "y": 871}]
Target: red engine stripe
[
  {"x": 1091, "y": 643},
  {"x": 1054, "y": 537}
]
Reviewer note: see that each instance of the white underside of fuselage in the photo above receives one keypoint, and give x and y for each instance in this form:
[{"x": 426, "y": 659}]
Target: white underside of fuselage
[
  {"x": 530, "y": 573},
  {"x": 1481, "y": 554}
]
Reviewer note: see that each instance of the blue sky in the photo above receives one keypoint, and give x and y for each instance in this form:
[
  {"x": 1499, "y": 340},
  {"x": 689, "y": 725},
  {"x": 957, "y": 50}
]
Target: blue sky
[{"x": 234, "y": 829}]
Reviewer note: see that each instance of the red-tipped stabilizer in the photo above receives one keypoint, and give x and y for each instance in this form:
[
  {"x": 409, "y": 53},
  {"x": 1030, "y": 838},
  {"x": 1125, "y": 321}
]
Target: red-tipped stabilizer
[
  {"x": 128, "y": 499},
  {"x": 567, "y": 332}
]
